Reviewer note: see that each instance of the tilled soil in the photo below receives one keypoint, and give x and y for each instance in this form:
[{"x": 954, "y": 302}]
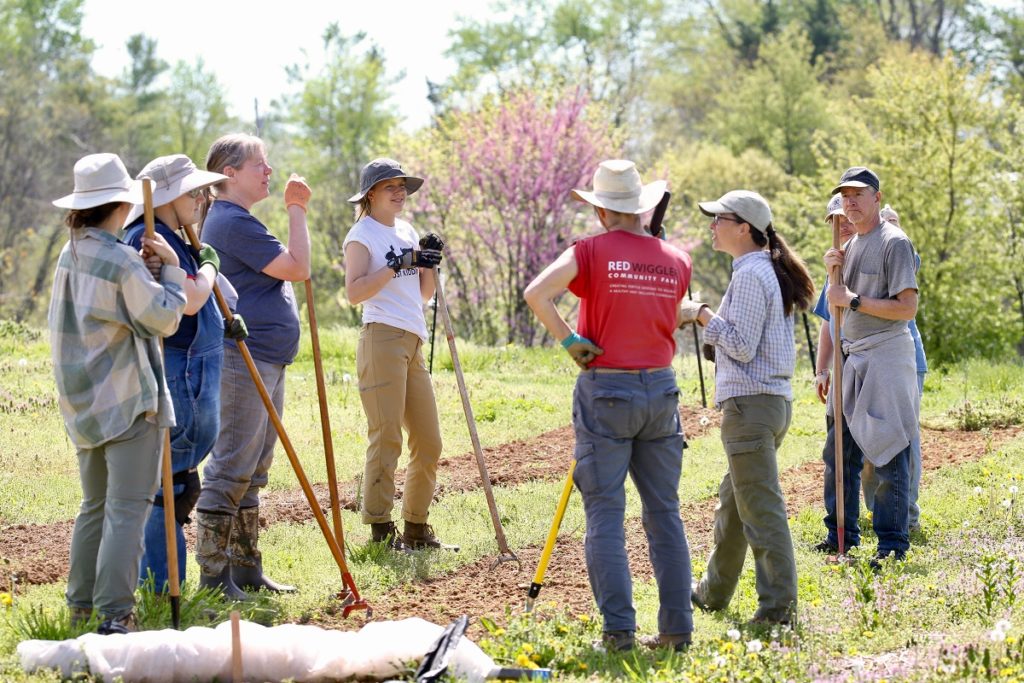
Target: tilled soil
[{"x": 38, "y": 554}]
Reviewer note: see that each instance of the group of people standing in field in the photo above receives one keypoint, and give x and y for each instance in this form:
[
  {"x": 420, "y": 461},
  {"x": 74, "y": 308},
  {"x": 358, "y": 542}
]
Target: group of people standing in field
[
  {"x": 139, "y": 346},
  {"x": 114, "y": 300},
  {"x": 631, "y": 287}
]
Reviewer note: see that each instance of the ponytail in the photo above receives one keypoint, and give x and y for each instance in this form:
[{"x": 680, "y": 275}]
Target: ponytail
[{"x": 794, "y": 280}]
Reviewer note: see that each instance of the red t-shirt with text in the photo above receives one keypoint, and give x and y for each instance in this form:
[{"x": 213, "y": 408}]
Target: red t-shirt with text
[{"x": 630, "y": 287}]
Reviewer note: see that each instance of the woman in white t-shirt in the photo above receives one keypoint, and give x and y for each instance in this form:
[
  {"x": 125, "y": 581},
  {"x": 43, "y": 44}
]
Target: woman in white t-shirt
[{"x": 390, "y": 271}]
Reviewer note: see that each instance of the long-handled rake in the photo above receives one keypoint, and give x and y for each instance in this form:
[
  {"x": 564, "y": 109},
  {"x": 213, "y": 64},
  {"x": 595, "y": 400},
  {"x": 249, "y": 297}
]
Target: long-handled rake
[
  {"x": 351, "y": 600},
  {"x": 349, "y": 591},
  {"x": 166, "y": 476},
  {"x": 499, "y": 532},
  {"x": 549, "y": 544}
]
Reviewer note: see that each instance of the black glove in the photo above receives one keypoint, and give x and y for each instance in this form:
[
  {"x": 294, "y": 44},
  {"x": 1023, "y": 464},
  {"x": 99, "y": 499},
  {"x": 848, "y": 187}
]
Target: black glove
[
  {"x": 411, "y": 258},
  {"x": 709, "y": 352},
  {"x": 431, "y": 241},
  {"x": 236, "y": 329}
]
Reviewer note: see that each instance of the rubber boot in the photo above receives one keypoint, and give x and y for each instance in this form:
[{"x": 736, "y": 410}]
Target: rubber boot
[
  {"x": 246, "y": 559},
  {"x": 213, "y": 533},
  {"x": 419, "y": 536}
]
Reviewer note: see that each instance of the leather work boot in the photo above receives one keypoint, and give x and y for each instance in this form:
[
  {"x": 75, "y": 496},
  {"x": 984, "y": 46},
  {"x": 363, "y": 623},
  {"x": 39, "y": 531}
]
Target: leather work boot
[
  {"x": 246, "y": 558},
  {"x": 387, "y": 532},
  {"x": 118, "y": 625},
  {"x": 213, "y": 533},
  {"x": 418, "y": 536},
  {"x": 680, "y": 642}
]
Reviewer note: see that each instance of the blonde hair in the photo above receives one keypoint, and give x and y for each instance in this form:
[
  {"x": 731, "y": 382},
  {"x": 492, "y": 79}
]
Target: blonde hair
[{"x": 232, "y": 150}]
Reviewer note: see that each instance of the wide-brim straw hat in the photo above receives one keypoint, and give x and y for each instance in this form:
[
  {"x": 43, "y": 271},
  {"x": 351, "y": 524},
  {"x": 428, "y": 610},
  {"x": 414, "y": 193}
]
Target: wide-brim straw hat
[
  {"x": 383, "y": 169},
  {"x": 173, "y": 176},
  {"x": 100, "y": 179},
  {"x": 618, "y": 187}
]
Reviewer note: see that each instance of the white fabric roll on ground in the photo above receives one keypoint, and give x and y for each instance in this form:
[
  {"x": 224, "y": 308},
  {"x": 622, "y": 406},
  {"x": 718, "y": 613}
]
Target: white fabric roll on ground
[{"x": 290, "y": 651}]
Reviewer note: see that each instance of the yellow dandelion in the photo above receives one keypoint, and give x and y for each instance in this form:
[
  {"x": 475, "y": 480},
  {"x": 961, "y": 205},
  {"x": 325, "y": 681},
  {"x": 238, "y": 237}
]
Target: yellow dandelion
[
  {"x": 585, "y": 618},
  {"x": 583, "y": 666},
  {"x": 527, "y": 648},
  {"x": 6, "y": 600},
  {"x": 868, "y": 634}
]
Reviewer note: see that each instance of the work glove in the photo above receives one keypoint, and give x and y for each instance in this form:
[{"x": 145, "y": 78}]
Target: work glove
[
  {"x": 582, "y": 350},
  {"x": 236, "y": 329},
  {"x": 412, "y": 258},
  {"x": 708, "y": 351},
  {"x": 297, "y": 192},
  {"x": 431, "y": 241},
  {"x": 208, "y": 255},
  {"x": 689, "y": 311},
  {"x": 821, "y": 384}
]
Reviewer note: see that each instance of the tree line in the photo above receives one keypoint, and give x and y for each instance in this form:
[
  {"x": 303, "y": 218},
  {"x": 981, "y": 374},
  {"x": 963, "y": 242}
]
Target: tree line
[{"x": 778, "y": 96}]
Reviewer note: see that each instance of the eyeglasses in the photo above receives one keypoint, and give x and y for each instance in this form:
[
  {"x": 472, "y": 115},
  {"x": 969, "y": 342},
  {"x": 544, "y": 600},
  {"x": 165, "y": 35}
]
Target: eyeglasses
[
  {"x": 719, "y": 218},
  {"x": 197, "y": 193}
]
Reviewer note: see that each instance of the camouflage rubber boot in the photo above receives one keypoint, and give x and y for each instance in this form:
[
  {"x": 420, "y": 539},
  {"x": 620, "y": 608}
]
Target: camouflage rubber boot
[
  {"x": 213, "y": 532},
  {"x": 387, "y": 532},
  {"x": 419, "y": 536},
  {"x": 246, "y": 559}
]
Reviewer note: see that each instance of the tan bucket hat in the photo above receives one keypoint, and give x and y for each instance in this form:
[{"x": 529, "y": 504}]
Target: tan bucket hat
[{"x": 173, "y": 176}]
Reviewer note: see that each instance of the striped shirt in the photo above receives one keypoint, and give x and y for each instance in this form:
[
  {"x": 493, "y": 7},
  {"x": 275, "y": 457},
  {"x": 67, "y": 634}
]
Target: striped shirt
[
  {"x": 105, "y": 316},
  {"x": 754, "y": 347}
]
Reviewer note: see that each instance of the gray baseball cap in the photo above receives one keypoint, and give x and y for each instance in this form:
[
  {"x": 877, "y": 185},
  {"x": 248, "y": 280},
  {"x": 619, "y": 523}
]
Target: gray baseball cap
[
  {"x": 748, "y": 205},
  {"x": 383, "y": 169}
]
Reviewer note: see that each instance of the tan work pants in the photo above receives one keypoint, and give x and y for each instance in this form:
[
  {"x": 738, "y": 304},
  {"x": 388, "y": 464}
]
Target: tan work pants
[{"x": 396, "y": 392}]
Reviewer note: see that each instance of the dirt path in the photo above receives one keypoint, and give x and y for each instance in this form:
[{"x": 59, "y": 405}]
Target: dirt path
[{"x": 38, "y": 554}]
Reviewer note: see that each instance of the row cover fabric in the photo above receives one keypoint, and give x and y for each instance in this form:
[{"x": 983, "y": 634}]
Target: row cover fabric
[{"x": 290, "y": 651}]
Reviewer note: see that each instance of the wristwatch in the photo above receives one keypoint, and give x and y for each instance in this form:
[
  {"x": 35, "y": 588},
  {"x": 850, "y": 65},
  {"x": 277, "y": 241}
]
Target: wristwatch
[{"x": 855, "y": 302}]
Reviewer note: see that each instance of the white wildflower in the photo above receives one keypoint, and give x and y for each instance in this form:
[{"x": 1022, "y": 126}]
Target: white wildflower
[
  {"x": 346, "y": 378},
  {"x": 1006, "y": 502},
  {"x": 978, "y": 490},
  {"x": 1013, "y": 490},
  {"x": 1004, "y": 625},
  {"x": 720, "y": 661},
  {"x": 704, "y": 421},
  {"x": 23, "y": 363},
  {"x": 754, "y": 646},
  {"x": 997, "y": 636},
  {"x": 733, "y": 634}
]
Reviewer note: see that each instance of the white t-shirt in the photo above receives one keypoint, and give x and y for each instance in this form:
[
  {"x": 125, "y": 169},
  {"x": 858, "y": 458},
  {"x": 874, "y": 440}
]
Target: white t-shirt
[{"x": 399, "y": 303}]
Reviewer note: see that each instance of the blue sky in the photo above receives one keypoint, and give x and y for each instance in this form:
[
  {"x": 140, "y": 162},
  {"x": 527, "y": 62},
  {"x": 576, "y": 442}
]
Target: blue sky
[{"x": 248, "y": 44}]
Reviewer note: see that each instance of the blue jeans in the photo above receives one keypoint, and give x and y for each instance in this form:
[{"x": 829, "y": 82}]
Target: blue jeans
[
  {"x": 629, "y": 423},
  {"x": 193, "y": 378},
  {"x": 891, "y": 513},
  {"x": 870, "y": 482}
]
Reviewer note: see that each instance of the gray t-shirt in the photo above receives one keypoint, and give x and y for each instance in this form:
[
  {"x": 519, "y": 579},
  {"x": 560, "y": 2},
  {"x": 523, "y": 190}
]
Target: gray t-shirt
[{"x": 879, "y": 265}]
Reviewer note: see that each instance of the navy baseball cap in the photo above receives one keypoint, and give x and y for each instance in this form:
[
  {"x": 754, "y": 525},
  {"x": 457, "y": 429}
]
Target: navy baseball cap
[{"x": 857, "y": 176}]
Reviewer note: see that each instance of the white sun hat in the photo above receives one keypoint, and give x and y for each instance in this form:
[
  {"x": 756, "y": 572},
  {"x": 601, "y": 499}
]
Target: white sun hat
[
  {"x": 617, "y": 187},
  {"x": 173, "y": 176},
  {"x": 100, "y": 179}
]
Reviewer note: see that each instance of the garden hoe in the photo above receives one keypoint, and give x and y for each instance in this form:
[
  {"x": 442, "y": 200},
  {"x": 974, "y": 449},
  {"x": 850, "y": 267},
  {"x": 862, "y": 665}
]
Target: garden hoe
[
  {"x": 549, "y": 544},
  {"x": 336, "y": 550},
  {"x": 499, "y": 533},
  {"x": 349, "y": 595},
  {"x": 657, "y": 229},
  {"x": 166, "y": 477},
  {"x": 836, "y": 277}
]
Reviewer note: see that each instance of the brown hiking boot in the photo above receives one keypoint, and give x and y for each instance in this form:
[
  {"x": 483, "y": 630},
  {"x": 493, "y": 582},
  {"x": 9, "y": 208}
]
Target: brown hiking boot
[
  {"x": 418, "y": 536},
  {"x": 387, "y": 532},
  {"x": 677, "y": 641},
  {"x": 80, "y": 616},
  {"x": 121, "y": 625}
]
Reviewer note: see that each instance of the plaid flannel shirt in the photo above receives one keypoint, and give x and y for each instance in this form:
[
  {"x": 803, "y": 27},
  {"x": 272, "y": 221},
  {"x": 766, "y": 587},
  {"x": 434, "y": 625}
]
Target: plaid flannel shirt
[
  {"x": 755, "y": 351},
  {"x": 106, "y": 314}
]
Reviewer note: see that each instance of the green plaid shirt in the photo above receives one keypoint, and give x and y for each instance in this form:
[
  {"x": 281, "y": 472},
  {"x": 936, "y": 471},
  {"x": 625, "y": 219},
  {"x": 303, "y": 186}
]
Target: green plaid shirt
[{"x": 106, "y": 314}]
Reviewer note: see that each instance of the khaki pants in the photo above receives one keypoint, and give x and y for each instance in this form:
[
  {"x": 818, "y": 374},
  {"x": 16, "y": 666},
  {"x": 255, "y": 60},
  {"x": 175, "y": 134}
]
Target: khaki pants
[
  {"x": 396, "y": 392},
  {"x": 751, "y": 509}
]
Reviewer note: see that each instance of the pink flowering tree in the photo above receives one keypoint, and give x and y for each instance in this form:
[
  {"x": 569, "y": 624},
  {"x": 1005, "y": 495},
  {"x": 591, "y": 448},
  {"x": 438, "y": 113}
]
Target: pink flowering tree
[{"x": 497, "y": 190}]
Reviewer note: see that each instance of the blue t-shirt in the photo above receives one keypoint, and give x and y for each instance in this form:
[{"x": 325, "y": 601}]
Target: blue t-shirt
[
  {"x": 267, "y": 304},
  {"x": 190, "y": 333},
  {"x": 821, "y": 310}
]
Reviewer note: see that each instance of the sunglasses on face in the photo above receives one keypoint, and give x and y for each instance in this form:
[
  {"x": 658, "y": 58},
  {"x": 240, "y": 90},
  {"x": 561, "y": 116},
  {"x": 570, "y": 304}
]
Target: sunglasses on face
[{"x": 197, "y": 193}]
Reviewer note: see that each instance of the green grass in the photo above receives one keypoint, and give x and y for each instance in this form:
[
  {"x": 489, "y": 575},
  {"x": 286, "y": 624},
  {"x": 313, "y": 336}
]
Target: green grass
[{"x": 914, "y": 621}]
